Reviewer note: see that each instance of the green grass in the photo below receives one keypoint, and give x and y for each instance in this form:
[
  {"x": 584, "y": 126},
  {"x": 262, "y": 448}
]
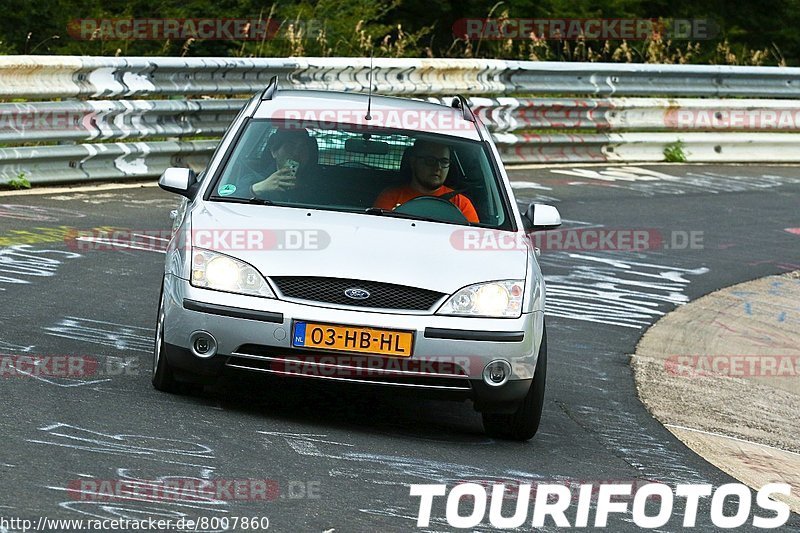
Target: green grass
[
  {"x": 20, "y": 182},
  {"x": 673, "y": 153}
]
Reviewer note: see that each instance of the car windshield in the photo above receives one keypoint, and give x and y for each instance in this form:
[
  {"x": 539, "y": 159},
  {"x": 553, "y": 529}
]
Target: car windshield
[{"x": 373, "y": 171}]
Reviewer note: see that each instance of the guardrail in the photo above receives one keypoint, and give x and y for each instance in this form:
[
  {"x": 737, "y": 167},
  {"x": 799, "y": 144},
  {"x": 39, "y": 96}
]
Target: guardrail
[{"x": 106, "y": 102}]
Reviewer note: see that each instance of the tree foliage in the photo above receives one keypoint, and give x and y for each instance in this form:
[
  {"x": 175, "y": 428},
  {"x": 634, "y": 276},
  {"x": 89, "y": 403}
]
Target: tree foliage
[{"x": 748, "y": 32}]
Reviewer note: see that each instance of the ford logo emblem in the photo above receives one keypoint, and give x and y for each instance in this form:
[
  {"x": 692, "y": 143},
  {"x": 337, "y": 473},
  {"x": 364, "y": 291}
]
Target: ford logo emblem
[{"x": 356, "y": 294}]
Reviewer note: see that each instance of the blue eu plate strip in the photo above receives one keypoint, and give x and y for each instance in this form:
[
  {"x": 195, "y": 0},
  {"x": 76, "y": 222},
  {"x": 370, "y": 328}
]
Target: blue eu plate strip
[{"x": 299, "y": 336}]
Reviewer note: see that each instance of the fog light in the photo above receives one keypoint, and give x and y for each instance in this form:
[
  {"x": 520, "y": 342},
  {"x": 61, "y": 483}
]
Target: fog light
[
  {"x": 497, "y": 373},
  {"x": 203, "y": 344}
]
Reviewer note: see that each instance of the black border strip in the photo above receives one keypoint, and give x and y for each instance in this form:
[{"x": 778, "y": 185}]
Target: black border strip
[
  {"x": 469, "y": 335},
  {"x": 234, "y": 312}
]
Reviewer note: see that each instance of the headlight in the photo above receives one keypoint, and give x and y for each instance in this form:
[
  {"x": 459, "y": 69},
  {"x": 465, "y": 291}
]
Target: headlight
[
  {"x": 493, "y": 299},
  {"x": 212, "y": 270}
]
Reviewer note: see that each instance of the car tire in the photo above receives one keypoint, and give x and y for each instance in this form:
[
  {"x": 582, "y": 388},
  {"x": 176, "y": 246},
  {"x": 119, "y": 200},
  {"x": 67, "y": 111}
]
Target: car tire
[
  {"x": 524, "y": 422},
  {"x": 163, "y": 377}
]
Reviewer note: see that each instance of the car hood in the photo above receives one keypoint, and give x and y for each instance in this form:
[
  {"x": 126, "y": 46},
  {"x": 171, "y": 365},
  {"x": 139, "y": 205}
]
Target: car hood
[{"x": 283, "y": 241}]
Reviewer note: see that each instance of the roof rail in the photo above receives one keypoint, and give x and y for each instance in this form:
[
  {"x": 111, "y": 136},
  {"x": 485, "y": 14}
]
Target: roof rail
[
  {"x": 459, "y": 102},
  {"x": 271, "y": 89}
]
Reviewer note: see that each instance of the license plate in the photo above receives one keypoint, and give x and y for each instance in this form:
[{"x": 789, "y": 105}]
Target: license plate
[{"x": 352, "y": 339}]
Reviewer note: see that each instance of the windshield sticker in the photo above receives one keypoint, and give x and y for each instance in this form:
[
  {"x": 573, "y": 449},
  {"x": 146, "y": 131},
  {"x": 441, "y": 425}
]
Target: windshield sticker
[{"x": 227, "y": 190}]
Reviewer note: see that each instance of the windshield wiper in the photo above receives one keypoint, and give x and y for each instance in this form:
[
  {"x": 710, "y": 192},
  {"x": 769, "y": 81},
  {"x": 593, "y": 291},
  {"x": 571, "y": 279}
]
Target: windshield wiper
[
  {"x": 389, "y": 213},
  {"x": 260, "y": 201},
  {"x": 253, "y": 200}
]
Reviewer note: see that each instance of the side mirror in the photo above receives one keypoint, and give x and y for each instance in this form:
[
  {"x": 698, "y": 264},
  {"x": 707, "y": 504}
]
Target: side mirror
[
  {"x": 541, "y": 217},
  {"x": 179, "y": 181}
]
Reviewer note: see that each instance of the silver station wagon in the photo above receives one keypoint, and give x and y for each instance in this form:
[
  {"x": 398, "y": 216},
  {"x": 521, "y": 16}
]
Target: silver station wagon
[{"x": 359, "y": 239}]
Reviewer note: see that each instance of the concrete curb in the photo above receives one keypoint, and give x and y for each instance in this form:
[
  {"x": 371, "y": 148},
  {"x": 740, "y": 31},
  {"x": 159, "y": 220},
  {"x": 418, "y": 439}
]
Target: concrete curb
[{"x": 722, "y": 373}]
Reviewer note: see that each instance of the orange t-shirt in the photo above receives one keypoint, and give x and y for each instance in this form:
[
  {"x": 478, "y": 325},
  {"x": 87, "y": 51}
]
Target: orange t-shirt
[{"x": 391, "y": 198}]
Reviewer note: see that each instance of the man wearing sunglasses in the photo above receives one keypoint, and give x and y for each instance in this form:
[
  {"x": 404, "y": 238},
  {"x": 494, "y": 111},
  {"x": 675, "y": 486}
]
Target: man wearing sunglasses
[{"x": 430, "y": 163}]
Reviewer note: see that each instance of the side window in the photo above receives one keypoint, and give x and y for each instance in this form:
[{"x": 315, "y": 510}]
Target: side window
[
  {"x": 494, "y": 212},
  {"x": 474, "y": 176}
]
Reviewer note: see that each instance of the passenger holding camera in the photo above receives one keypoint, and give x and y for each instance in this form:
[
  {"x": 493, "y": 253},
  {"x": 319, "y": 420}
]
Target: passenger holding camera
[{"x": 294, "y": 152}]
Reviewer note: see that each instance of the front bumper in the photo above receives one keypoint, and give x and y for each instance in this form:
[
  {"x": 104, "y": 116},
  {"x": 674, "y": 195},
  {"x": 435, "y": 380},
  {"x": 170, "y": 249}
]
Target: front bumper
[{"x": 449, "y": 353}]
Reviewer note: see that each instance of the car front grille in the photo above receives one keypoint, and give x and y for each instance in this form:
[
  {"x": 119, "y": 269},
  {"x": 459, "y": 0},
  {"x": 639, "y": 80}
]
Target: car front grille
[
  {"x": 332, "y": 290},
  {"x": 354, "y": 368}
]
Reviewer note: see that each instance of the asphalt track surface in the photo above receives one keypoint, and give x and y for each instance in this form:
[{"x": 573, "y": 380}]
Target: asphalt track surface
[{"x": 342, "y": 458}]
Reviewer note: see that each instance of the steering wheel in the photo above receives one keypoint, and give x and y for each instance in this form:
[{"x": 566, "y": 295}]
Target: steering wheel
[{"x": 433, "y": 207}]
